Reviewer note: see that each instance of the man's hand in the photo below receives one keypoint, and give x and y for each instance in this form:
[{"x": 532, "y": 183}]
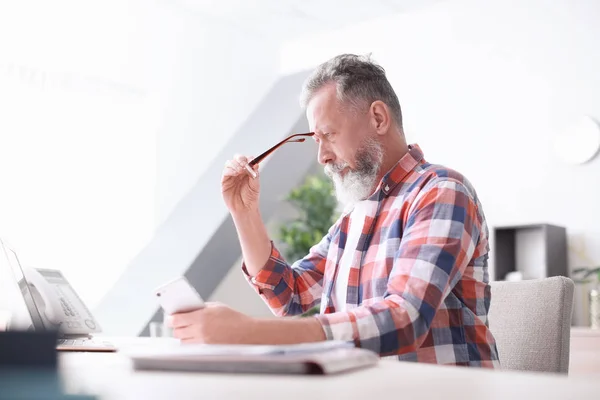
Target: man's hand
[
  {"x": 219, "y": 324},
  {"x": 240, "y": 190},
  {"x": 214, "y": 324}
]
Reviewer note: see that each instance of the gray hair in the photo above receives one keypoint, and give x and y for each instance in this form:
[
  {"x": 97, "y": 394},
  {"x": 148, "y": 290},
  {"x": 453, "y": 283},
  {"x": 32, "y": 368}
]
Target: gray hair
[{"x": 359, "y": 82}]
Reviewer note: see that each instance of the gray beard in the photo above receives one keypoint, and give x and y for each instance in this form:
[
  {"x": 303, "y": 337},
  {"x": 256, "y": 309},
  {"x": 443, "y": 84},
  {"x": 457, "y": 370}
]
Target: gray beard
[{"x": 358, "y": 184}]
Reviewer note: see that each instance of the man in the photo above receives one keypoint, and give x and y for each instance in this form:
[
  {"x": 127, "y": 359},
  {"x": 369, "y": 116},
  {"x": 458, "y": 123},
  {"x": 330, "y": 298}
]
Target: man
[{"x": 403, "y": 272}]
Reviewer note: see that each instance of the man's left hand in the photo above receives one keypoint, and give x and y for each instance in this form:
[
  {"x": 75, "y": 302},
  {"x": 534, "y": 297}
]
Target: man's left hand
[{"x": 214, "y": 324}]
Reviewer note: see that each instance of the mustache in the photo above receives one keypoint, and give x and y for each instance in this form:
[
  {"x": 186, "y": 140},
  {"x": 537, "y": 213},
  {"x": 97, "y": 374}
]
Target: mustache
[{"x": 332, "y": 168}]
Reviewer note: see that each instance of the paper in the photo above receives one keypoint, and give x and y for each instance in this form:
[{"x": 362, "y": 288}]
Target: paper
[
  {"x": 238, "y": 349},
  {"x": 308, "y": 358}
]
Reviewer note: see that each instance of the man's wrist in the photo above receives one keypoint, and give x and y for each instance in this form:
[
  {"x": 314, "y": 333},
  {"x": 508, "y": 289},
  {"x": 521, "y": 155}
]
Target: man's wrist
[
  {"x": 286, "y": 330},
  {"x": 246, "y": 215}
]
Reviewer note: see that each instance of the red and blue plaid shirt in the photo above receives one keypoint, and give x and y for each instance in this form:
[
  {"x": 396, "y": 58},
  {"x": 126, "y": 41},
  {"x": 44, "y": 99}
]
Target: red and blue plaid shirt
[{"x": 420, "y": 292}]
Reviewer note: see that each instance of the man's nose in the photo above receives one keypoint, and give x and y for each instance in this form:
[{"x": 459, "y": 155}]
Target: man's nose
[{"x": 325, "y": 154}]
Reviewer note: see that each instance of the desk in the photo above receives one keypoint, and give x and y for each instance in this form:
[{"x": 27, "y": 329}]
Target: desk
[
  {"x": 585, "y": 352},
  {"x": 111, "y": 376}
]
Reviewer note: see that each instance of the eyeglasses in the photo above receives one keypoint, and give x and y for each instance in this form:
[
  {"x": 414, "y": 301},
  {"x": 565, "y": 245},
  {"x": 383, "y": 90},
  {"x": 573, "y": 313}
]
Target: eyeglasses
[{"x": 295, "y": 138}]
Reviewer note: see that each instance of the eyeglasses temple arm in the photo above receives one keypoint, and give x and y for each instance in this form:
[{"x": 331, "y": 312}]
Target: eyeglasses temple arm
[{"x": 272, "y": 149}]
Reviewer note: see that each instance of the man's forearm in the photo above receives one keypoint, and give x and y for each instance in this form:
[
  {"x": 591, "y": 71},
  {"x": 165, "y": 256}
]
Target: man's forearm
[
  {"x": 286, "y": 330},
  {"x": 254, "y": 240}
]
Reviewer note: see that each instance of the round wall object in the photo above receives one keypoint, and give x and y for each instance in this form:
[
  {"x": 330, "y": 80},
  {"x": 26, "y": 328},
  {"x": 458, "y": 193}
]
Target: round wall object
[{"x": 579, "y": 143}]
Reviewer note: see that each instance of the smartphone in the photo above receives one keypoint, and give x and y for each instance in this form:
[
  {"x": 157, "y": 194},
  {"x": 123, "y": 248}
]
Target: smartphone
[{"x": 178, "y": 296}]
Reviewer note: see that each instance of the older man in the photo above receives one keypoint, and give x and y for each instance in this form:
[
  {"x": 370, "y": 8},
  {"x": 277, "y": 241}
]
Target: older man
[{"x": 403, "y": 271}]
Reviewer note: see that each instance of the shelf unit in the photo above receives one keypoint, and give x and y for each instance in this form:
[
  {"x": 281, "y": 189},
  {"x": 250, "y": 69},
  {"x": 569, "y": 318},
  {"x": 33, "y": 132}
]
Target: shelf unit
[{"x": 535, "y": 250}]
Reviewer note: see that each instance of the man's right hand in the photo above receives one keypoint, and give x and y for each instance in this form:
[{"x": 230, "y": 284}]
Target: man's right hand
[{"x": 240, "y": 191}]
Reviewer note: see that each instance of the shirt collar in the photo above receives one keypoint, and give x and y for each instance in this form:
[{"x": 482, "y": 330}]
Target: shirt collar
[{"x": 403, "y": 167}]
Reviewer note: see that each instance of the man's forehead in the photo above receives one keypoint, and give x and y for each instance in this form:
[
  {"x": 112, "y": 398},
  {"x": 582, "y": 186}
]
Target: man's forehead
[
  {"x": 322, "y": 109},
  {"x": 320, "y": 125}
]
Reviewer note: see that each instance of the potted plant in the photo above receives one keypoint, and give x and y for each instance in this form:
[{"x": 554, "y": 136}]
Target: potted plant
[
  {"x": 316, "y": 205},
  {"x": 591, "y": 275}
]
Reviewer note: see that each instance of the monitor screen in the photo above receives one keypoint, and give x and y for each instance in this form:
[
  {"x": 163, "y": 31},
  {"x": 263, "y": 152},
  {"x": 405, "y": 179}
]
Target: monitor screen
[{"x": 15, "y": 295}]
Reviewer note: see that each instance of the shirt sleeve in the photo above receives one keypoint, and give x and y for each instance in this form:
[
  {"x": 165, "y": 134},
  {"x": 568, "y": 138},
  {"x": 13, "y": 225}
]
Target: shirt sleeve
[
  {"x": 440, "y": 236},
  {"x": 292, "y": 290}
]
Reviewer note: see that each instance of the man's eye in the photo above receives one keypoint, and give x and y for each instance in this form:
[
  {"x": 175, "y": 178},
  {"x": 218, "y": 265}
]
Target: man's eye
[{"x": 322, "y": 136}]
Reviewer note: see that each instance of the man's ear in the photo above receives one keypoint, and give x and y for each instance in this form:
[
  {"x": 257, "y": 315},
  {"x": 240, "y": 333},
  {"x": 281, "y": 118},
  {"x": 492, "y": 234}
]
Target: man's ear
[{"x": 380, "y": 115}]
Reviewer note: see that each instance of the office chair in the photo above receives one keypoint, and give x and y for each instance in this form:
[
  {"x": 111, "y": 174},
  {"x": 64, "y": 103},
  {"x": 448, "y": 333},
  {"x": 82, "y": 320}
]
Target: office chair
[{"x": 531, "y": 321}]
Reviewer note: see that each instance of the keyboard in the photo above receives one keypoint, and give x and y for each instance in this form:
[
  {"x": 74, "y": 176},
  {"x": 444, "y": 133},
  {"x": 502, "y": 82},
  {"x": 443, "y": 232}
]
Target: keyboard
[{"x": 85, "y": 344}]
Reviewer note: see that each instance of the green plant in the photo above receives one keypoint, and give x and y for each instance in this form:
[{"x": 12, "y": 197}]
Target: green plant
[
  {"x": 316, "y": 205},
  {"x": 582, "y": 275}
]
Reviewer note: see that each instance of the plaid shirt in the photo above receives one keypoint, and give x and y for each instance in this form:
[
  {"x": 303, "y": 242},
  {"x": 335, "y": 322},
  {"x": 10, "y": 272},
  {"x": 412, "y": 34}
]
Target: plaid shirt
[{"x": 420, "y": 292}]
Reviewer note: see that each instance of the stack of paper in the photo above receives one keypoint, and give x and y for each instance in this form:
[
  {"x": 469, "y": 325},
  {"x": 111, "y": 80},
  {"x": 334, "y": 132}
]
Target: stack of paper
[{"x": 307, "y": 358}]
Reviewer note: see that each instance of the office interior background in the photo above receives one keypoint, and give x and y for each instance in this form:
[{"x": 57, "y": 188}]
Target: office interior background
[{"x": 116, "y": 118}]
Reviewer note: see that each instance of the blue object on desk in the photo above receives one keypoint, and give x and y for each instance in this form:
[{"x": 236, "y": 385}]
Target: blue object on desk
[{"x": 28, "y": 367}]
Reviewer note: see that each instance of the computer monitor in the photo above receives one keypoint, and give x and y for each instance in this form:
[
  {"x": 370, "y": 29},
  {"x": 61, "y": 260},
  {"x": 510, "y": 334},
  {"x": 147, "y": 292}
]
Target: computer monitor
[{"x": 16, "y": 294}]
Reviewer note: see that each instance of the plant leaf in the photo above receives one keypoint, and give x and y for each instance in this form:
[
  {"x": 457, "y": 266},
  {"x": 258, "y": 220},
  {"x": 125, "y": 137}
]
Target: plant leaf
[{"x": 316, "y": 207}]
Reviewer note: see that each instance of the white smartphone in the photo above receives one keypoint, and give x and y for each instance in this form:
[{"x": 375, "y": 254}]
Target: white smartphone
[{"x": 178, "y": 296}]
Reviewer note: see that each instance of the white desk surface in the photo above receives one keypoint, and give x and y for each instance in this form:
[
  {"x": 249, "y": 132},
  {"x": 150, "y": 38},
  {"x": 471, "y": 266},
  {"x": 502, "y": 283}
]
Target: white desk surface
[
  {"x": 585, "y": 352},
  {"x": 110, "y": 376}
]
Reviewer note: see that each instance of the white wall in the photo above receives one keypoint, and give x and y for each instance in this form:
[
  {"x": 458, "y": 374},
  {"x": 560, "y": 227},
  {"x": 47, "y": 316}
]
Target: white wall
[
  {"x": 484, "y": 86},
  {"x": 109, "y": 112},
  {"x": 77, "y": 153},
  {"x": 218, "y": 74},
  {"x": 216, "y": 87}
]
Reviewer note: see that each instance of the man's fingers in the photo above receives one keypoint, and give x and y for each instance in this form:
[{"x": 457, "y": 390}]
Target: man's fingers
[
  {"x": 232, "y": 168},
  {"x": 234, "y": 165},
  {"x": 239, "y": 164},
  {"x": 240, "y": 159},
  {"x": 242, "y": 162},
  {"x": 190, "y": 340},
  {"x": 229, "y": 172},
  {"x": 181, "y": 320},
  {"x": 184, "y": 333},
  {"x": 251, "y": 171}
]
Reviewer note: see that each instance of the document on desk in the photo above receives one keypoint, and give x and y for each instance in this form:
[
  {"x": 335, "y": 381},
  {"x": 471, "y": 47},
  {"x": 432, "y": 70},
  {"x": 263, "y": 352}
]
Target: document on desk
[{"x": 326, "y": 357}]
